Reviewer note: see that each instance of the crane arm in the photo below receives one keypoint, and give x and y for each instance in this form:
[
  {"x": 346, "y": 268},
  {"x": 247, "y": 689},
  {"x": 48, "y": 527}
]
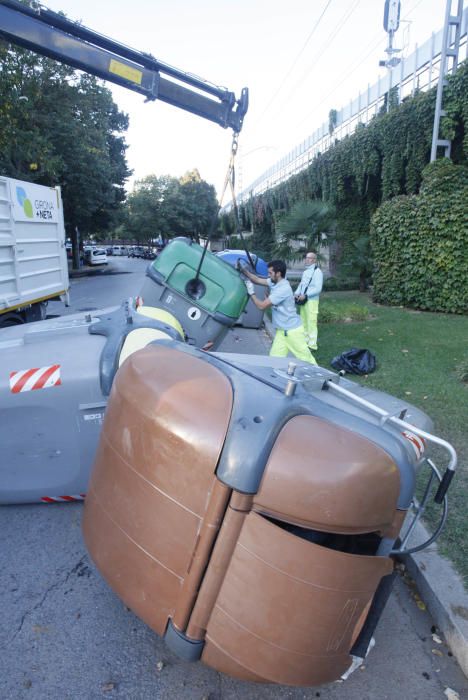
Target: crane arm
[{"x": 51, "y": 34}]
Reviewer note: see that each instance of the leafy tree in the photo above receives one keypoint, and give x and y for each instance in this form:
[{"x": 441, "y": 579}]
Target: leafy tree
[
  {"x": 59, "y": 127},
  {"x": 199, "y": 205},
  {"x": 166, "y": 206},
  {"x": 148, "y": 206},
  {"x": 227, "y": 224}
]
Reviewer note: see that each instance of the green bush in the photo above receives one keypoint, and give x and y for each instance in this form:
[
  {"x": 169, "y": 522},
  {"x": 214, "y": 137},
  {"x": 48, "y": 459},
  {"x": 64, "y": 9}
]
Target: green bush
[
  {"x": 340, "y": 284},
  {"x": 420, "y": 243}
]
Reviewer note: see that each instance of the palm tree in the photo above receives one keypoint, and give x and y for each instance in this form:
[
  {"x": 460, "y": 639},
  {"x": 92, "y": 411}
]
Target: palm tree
[{"x": 302, "y": 228}]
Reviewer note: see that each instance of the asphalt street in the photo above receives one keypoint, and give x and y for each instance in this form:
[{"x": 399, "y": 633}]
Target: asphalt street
[{"x": 64, "y": 635}]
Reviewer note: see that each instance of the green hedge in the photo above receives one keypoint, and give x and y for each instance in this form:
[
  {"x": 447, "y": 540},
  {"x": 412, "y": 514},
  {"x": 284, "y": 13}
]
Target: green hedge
[
  {"x": 420, "y": 243},
  {"x": 340, "y": 284}
]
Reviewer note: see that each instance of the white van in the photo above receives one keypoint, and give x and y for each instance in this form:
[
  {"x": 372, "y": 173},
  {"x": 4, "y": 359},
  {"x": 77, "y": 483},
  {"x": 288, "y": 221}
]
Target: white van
[
  {"x": 96, "y": 256},
  {"x": 119, "y": 250}
]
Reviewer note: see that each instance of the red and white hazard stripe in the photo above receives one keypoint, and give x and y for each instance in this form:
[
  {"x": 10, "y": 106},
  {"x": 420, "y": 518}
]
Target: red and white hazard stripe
[
  {"x": 63, "y": 499},
  {"x": 35, "y": 378},
  {"x": 418, "y": 443}
]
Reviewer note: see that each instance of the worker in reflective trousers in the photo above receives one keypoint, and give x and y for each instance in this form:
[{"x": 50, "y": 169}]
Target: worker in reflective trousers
[
  {"x": 307, "y": 298},
  {"x": 289, "y": 336}
]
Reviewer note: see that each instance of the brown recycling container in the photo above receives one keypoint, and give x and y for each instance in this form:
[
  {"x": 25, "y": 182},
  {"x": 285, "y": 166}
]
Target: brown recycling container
[{"x": 268, "y": 580}]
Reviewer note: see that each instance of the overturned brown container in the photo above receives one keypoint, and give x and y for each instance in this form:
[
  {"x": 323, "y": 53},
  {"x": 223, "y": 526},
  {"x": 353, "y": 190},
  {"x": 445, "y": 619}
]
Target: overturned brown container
[{"x": 243, "y": 525}]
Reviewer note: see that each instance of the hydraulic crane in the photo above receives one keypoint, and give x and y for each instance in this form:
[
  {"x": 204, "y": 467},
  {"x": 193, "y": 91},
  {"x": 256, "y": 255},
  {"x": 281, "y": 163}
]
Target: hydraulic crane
[{"x": 53, "y": 35}]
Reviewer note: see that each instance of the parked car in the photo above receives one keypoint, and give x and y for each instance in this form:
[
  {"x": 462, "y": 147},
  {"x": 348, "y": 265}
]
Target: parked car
[
  {"x": 137, "y": 252},
  {"x": 150, "y": 253},
  {"x": 118, "y": 250},
  {"x": 96, "y": 256},
  {"x": 109, "y": 250}
]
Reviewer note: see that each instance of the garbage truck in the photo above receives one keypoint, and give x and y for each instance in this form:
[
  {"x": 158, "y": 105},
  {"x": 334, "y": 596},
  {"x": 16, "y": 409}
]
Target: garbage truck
[{"x": 33, "y": 260}]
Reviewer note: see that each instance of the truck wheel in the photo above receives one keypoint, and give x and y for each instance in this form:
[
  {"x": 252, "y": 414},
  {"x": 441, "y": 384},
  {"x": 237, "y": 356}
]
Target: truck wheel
[
  {"x": 35, "y": 312},
  {"x": 10, "y": 320}
]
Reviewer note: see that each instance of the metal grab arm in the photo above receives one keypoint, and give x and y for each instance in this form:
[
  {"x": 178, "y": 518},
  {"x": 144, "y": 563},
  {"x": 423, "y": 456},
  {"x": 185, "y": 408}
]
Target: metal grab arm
[
  {"x": 389, "y": 418},
  {"x": 420, "y": 507},
  {"x": 51, "y": 34}
]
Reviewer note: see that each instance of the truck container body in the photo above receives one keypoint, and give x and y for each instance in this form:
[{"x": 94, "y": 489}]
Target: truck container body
[{"x": 33, "y": 259}]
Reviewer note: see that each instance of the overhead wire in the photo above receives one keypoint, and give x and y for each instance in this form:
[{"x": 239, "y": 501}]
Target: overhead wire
[
  {"x": 373, "y": 44},
  {"x": 293, "y": 65},
  {"x": 326, "y": 45},
  {"x": 328, "y": 42}
]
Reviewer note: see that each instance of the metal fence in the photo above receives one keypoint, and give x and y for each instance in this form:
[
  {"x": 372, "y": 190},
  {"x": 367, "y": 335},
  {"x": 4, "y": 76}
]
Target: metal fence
[{"x": 419, "y": 71}]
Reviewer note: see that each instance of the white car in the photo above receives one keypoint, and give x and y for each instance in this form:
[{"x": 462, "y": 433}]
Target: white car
[
  {"x": 96, "y": 256},
  {"x": 119, "y": 250}
]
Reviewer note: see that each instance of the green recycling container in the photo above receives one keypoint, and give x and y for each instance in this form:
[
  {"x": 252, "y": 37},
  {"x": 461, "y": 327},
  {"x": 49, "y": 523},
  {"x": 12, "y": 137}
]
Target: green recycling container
[{"x": 206, "y": 306}]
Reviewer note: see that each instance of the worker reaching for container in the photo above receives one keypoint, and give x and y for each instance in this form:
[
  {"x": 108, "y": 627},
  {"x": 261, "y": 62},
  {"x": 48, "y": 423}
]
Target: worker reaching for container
[
  {"x": 289, "y": 335},
  {"x": 307, "y": 298}
]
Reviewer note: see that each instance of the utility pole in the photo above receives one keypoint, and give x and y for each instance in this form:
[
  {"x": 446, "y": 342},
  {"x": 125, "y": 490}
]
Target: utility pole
[
  {"x": 391, "y": 23},
  {"x": 450, "y": 48}
]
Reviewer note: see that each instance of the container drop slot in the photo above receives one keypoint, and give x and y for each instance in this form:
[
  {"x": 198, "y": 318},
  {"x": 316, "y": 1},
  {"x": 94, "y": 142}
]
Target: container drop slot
[
  {"x": 195, "y": 288},
  {"x": 365, "y": 544}
]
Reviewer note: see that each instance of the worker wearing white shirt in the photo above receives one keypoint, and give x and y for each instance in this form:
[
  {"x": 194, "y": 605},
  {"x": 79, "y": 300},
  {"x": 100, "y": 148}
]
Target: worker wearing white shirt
[
  {"x": 289, "y": 332},
  {"x": 309, "y": 290}
]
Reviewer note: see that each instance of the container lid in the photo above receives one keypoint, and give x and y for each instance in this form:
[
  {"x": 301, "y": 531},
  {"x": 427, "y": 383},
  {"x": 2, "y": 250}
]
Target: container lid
[{"x": 232, "y": 256}]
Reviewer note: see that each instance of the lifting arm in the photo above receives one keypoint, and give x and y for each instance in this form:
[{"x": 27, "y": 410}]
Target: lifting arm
[{"x": 53, "y": 35}]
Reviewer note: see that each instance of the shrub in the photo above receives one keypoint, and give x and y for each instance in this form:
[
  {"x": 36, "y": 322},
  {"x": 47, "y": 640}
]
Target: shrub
[
  {"x": 420, "y": 243},
  {"x": 340, "y": 284}
]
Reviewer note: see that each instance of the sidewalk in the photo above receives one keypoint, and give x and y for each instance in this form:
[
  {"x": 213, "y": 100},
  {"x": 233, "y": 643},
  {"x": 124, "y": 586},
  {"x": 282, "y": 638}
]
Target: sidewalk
[
  {"x": 85, "y": 270},
  {"x": 440, "y": 586}
]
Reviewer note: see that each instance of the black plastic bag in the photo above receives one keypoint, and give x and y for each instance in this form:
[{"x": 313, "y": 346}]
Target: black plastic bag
[{"x": 355, "y": 361}]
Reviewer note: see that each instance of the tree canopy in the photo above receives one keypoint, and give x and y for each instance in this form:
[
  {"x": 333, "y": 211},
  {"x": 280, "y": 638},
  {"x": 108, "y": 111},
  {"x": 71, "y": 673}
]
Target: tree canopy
[
  {"x": 61, "y": 127},
  {"x": 165, "y": 206}
]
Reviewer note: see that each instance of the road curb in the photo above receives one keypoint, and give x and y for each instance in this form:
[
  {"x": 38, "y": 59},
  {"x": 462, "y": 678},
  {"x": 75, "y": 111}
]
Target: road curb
[
  {"x": 89, "y": 271},
  {"x": 439, "y": 585},
  {"x": 84, "y": 271},
  {"x": 442, "y": 590}
]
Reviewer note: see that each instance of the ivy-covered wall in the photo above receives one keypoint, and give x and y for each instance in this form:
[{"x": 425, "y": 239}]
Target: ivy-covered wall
[
  {"x": 420, "y": 243},
  {"x": 379, "y": 161}
]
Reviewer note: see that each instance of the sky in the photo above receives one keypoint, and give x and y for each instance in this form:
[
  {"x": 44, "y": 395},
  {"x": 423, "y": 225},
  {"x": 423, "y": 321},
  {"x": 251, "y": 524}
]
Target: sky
[{"x": 299, "y": 59}]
